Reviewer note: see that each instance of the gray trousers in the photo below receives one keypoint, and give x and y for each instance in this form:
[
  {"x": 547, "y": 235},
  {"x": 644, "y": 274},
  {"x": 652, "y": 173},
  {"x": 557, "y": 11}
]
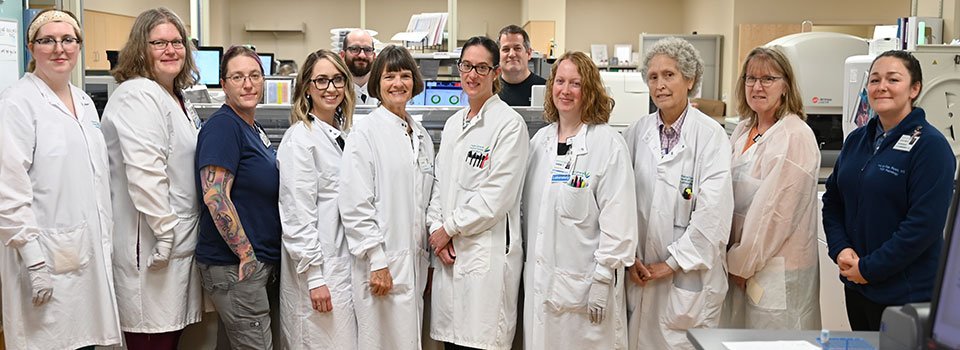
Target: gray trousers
[{"x": 248, "y": 309}]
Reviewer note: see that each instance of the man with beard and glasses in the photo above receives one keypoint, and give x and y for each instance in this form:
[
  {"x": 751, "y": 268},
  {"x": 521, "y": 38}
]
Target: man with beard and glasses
[{"x": 358, "y": 53}]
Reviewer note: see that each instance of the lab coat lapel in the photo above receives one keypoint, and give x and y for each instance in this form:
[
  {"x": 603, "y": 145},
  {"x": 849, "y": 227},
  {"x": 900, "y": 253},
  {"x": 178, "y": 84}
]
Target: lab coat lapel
[{"x": 54, "y": 101}]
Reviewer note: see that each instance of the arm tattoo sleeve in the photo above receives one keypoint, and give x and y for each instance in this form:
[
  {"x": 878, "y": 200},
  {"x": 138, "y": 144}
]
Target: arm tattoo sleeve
[{"x": 216, "y": 185}]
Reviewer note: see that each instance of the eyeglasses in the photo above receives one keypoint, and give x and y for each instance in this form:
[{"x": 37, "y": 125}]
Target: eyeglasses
[
  {"x": 68, "y": 43},
  {"x": 356, "y": 49},
  {"x": 239, "y": 79},
  {"x": 481, "y": 69},
  {"x": 162, "y": 44},
  {"x": 322, "y": 83},
  {"x": 766, "y": 81}
]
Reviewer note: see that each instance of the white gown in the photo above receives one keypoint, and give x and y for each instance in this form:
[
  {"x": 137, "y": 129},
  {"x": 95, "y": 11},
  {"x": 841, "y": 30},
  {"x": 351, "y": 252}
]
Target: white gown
[
  {"x": 56, "y": 193},
  {"x": 693, "y": 231},
  {"x": 151, "y": 143},
  {"x": 383, "y": 208},
  {"x": 773, "y": 242},
  {"x": 314, "y": 251},
  {"x": 576, "y": 233},
  {"x": 476, "y": 197}
]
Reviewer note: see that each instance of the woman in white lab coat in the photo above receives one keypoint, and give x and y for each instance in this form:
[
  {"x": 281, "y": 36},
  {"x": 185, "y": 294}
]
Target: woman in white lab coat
[
  {"x": 316, "y": 300},
  {"x": 383, "y": 206},
  {"x": 475, "y": 211},
  {"x": 772, "y": 260},
  {"x": 151, "y": 135},
  {"x": 55, "y": 214},
  {"x": 580, "y": 213},
  {"x": 682, "y": 162}
]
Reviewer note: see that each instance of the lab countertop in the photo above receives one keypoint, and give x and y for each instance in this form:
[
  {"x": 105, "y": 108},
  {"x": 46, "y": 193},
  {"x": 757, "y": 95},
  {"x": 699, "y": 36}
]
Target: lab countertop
[{"x": 712, "y": 339}]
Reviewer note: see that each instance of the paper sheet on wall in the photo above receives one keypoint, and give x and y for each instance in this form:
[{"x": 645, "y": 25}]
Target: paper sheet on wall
[
  {"x": 766, "y": 345},
  {"x": 9, "y": 52}
]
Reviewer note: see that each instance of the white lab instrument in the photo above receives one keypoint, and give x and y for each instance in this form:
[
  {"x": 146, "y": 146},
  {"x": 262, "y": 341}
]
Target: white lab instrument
[
  {"x": 631, "y": 94},
  {"x": 940, "y": 97}
]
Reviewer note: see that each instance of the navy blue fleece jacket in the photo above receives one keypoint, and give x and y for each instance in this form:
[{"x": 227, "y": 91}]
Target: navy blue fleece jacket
[{"x": 890, "y": 206}]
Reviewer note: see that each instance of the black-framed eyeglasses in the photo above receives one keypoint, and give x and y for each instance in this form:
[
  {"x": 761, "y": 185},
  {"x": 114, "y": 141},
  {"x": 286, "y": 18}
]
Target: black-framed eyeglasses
[
  {"x": 765, "y": 81},
  {"x": 66, "y": 43},
  {"x": 357, "y": 49},
  {"x": 162, "y": 44},
  {"x": 322, "y": 83},
  {"x": 481, "y": 69},
  {"x": 239, "y": 79}
]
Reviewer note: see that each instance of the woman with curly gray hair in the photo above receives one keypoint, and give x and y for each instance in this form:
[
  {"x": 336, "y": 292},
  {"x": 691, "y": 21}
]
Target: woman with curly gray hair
[{"x": 681, "y": 159}]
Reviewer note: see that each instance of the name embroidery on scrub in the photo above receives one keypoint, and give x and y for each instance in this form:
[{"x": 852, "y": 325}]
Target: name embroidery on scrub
[
  {"x": 562, "y": 169},
  {"x": 906, "y": 142},
  {"x": 890, "y": 169},
  {"x": 580, "y": 179},
  {"x": 478, "y": 156},
  {"x": 686, "y": 187}
]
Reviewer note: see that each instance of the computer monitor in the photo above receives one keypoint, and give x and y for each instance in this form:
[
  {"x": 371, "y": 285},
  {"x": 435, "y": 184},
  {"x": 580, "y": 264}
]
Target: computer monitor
[
  {"x": 444, "y": 93},
  {"x": 207, "y": 59},
  {"x": 945, "y": 306},
  {"x": 266, "y": 60}
]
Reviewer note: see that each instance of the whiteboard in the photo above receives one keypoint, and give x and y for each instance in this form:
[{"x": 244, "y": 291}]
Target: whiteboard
[{"x": 9, "y": 52}]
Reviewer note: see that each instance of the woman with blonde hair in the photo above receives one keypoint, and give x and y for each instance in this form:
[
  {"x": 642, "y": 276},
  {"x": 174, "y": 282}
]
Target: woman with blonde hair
[
  {"x": 774, "y": 167},
  {"x": 316, "y": 298},
  {"x": 151, "y": 134},
  {"x": 580, "y": 210},
  {"x": 55, "y": 212}
]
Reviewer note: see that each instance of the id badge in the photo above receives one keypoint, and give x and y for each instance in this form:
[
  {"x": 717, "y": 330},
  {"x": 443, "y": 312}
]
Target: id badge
[{"x": 561, "y": 170}]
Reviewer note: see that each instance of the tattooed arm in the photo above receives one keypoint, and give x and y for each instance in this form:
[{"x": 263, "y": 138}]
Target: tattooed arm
[{"x": 216, "y": 183}]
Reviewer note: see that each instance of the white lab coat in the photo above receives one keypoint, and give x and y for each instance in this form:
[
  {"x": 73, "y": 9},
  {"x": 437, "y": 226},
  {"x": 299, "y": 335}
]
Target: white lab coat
[
  {"x": 314, "y": 250},
  {"x": 56, "y": 193},
  {"x": 476, "y": 197},
  {"x": 383, "y": 207},
  {"x": 151, "y": 142},
  {"x": 574, "y": 235},
  {"x": 694, "y": 232},
  {"x": 361, "y": 91},
  {"x": 773, "y": 242}
]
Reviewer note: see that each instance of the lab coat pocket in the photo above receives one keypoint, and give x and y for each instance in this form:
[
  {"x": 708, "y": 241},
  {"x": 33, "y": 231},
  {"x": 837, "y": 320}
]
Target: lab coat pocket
[
  {"x": 185, "y": 236},
  {"x": 685, "y": 304},
  {"x": 569, "y": 292},
  {"x": 681, "y": 215},
  {"x": 573, "y": 204},
  {"x": 470, "y": 177},
  {"x": 767, "y": 289},
  {"x": 66, "y": 249},
  {"x": 473, "y": 254}
]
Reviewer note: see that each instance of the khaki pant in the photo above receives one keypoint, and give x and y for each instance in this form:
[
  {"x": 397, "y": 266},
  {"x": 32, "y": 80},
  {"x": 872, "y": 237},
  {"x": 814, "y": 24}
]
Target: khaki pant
[{"x": 248, "y": 309}]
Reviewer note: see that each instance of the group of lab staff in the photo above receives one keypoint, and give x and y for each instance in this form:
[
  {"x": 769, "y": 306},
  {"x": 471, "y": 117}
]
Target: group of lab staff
[{"x": 116, "y": 229}]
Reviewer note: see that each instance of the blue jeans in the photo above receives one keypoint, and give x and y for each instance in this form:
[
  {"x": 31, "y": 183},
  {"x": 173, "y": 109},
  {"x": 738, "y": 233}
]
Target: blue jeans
[{"x": 245, "y": 307}]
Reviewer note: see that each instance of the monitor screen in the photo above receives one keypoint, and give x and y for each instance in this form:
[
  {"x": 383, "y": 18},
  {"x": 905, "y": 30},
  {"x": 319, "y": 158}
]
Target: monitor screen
[
  {"x": 945, "y": 315},
  {"x": 207, "y": 59},
  {"x": 266, "y": 60},
  {"x": 444, "y": 93}
]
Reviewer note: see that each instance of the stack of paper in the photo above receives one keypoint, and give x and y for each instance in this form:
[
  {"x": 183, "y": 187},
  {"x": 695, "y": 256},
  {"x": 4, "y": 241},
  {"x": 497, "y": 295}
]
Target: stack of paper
[{"x": 424, "y": 27}]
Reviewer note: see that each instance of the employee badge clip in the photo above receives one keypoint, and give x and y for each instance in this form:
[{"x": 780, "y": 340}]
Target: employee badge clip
[
  {"x": 686, "y": 183},
  {"x": 906, "y": 142},
  {"x": 687, "y": 193}
]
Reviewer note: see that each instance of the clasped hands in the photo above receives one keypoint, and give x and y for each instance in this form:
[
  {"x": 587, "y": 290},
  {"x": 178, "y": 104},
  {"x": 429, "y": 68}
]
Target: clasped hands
[
  {"x": 641, "y": 274},
  {"x": 849, "y": 263},
  {"x": 442, "y": 245}
]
